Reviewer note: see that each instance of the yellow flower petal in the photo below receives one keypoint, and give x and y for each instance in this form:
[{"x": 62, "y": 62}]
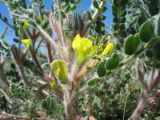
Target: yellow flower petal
[
  {"x": 108, "y": 50},
  {"x": 83, "y": 48},
  {"x": 26, "y": 42},
  {"x": 60, "y": 70}
]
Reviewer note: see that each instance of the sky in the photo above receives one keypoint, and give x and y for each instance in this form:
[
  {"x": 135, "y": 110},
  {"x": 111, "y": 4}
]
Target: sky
[{"x": 83, "y": 6}]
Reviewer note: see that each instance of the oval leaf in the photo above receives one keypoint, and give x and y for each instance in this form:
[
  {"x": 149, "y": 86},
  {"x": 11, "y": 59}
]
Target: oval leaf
[
  {"x": 146, "y": 31},
  {"x": 95, "y": 4},
  {"x": 92, "y": 82},
  {"x": 101, "y": 69},
  {"x": 131, "y": 44},
  {"x": 113, "y": 62}
]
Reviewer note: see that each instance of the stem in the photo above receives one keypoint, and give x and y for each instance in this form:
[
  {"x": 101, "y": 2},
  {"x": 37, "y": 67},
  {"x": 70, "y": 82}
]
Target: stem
[
  {"x": 7, "y": 23},
  {"x": 140, "y": 107},
  {"x": 39, "y": 44},
  {"x": 155, "y": 78},
  {"x": 22, "y": 74},
  {"x": 68, "y": 105},
  {"x": 86, "y": 68},
  {"x": 3, "y": 77},
  {"x": 55, "y": 28},
  {"x": 125, "y": 104},
  {"x": 50, "y": 40},
  {"x": 50, "y": 58},
  {"x": 61, "y": 23},
  {"x": 139, "y": 52},
  {"x": 94, "y": 16}
]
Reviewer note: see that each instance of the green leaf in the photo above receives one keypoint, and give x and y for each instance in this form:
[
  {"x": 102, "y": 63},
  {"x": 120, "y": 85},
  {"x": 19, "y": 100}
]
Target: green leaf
[
  {"x": 13, "y": 5},
  {"x": 74, "y": 1},
  {"x": 63, "y": 14},
  {"x": 113, "y": 62},
  {"x": 92, "y": 82},
  {"x": 131, "y": 44},
  {"x": 149, "y": 53},
  {"x": 143, "y": 16},
  {"x": 83, "y": 48},
  {"x": 45, "y": 24},
  {"x": 115, "y": 26},
  {"x": 115, "y": 20},
  {"x": 73, "y": 7},
  {"x": 71, "y": 1},
  {"x": 146, "y": 31},
  {"x": 40, "y": 19},
  {"x": 114, "y": 10},
  {"x": 101, "y": 69},
  {"x": 95, "y": 4},
  {"x": 116, "y": 2},
  {"x": 68, "y": 8},
  {"x": 124, "y": 2},
  {"x": 60, "y": 70}
]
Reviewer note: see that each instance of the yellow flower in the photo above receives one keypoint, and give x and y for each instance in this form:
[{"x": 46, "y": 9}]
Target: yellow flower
[
  {"x": 26, "y": 42},
  {"x": 60, "y": 70},
  {"x": 108, "y": 50},
  {"x": 25, "y": 25},
  {"x": 83, "y": 48},
  {"x": 53, "y": 85}
]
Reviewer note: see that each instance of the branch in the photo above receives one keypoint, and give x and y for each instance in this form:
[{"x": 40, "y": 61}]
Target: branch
[
  {"x": 94, "y": 16},
  {"x": 86, "y": 68},
  {"x": 145, "y": 95},
  {"x": 50, "y": 58},
  {"x": 55, "y": 29},
  {"x": 7, "y": 23},
  {"x": 61, "y": 22},
  {"x": 3, "y": 78},
  {"x": 19, "y": 58}
]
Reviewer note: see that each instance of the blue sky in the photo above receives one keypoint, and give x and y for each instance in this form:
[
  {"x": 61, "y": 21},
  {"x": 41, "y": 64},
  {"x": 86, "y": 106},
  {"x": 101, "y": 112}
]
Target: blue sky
[{"x": 83, "y": 6}]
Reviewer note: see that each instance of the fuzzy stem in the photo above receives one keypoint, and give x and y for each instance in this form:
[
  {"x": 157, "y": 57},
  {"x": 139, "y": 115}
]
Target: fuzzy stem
[
  {"x": 140, "y": 107},
  {"x": 68, "y": 104},
  {"x": 53, "y": 43},
  {"x": 155, "y": 77},
  {"x": 22, "y": 74}
]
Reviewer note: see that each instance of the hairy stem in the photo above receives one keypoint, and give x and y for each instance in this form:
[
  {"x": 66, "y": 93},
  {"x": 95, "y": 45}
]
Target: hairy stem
[{"x": 53, "y": 43}]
